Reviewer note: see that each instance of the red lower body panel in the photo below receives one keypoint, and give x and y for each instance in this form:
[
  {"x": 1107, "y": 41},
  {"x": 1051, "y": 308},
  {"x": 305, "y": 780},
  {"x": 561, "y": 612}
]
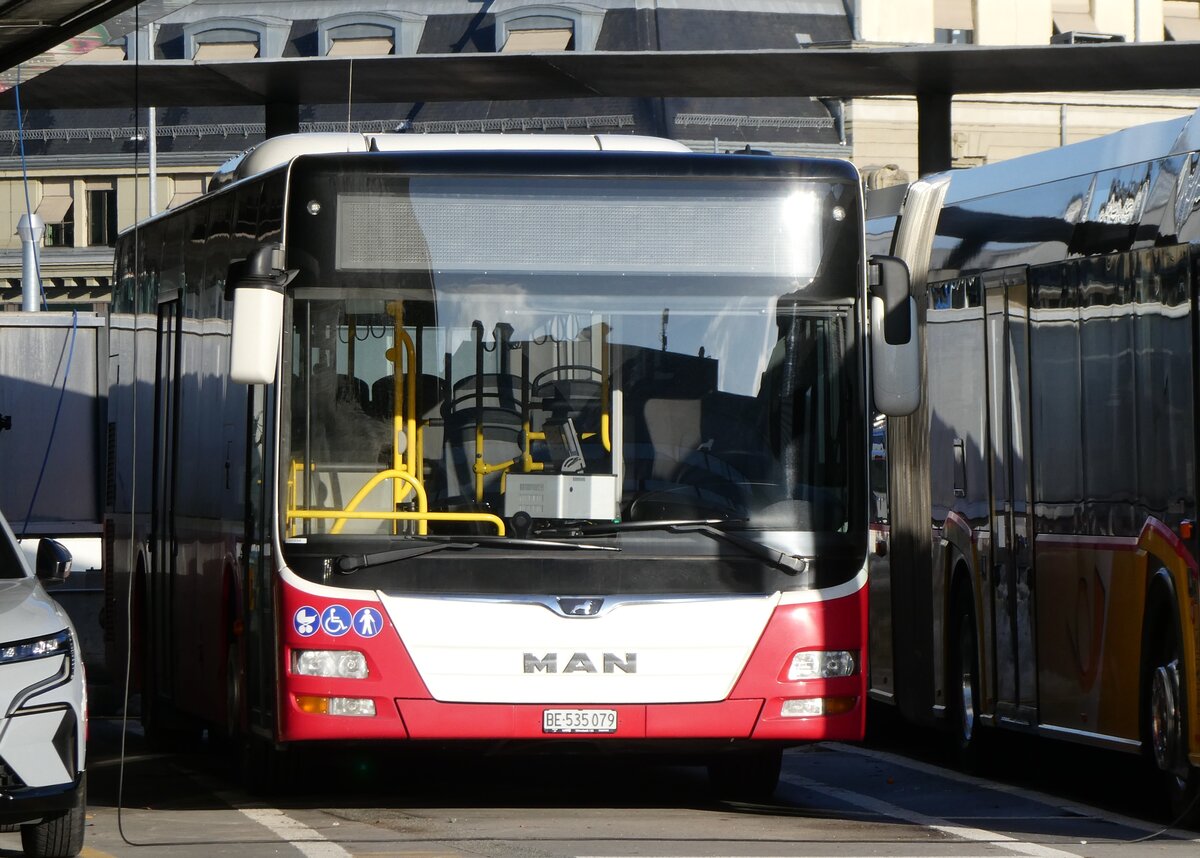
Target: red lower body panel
[{"x": 753, "y": 710}]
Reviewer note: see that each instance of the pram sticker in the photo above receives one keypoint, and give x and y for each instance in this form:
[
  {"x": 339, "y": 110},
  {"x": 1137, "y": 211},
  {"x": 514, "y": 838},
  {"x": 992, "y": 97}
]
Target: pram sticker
[{"x": 305, "y": 621}]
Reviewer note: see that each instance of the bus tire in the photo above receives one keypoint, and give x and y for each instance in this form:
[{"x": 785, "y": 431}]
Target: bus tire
[
  {"x": 963, "y": 685},
  {"x": 1165, "y": 714},
  {"x": 749, "y": 775},
  {"x": 266, "y": 770}
]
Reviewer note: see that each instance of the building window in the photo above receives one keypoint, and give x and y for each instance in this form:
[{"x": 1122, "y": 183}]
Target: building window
[
  {"x": 57, "y": 211},
  {"x": 102, "y": 217},
  {"x": 361, "y": 41},
  {"x": 187, "y": 188},
  {"x": 1181, "y": 21},
  {"x": 234, "y": 38},
  {"x": 1072, "y": 16},
  {"x": 226, "y": 45},
  {"x": 539, "y": 34},
  {"x": 357, "y": 34},
  {"x": 548, "y": 28},
  {"x": 953, "y": 22}
]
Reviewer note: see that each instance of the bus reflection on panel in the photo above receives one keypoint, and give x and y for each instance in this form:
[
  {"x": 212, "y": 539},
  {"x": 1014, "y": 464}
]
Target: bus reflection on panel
[
  {"x": 1043, "y": 498},
  {"x": 554, "y": 445}
]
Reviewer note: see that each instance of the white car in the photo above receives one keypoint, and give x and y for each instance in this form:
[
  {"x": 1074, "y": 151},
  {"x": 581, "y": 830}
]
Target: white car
[{"x": 43, "y": 705}]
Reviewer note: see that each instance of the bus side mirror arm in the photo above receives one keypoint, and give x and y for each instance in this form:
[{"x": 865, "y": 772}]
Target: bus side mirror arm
[
  {"x": 256, "y": 286},
  {"x": 895, "y": 344}
]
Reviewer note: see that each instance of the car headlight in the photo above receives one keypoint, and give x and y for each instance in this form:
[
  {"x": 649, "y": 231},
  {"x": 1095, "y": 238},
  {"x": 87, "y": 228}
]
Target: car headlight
[{"x": 58, "y": 643}]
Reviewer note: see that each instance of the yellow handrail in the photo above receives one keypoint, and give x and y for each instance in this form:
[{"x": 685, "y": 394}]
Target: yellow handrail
[
  {"x": 421, "y": 515},
  {"x": 369, "y": 485},
  {"x": 401, "y": 516}
]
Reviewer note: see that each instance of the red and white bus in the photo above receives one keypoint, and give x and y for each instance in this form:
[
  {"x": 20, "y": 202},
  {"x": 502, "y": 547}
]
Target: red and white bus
[{"x": 414, "y": 440}]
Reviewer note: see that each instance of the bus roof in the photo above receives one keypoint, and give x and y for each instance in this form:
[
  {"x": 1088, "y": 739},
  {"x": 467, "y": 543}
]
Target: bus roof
[
  {"x": 1134, "y": 145},
  {"x": 283, "y": 149}
]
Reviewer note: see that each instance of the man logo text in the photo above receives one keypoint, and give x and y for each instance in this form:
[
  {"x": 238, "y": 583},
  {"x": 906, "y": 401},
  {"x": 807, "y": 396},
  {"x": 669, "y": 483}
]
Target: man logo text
[{"x": 581, "y": 662}]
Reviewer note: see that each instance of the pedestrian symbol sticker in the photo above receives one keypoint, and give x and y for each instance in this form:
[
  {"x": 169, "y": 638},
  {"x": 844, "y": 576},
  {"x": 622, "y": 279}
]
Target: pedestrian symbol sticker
[
  {"x": 368, "y": 622},
  {"x": 335, "y": 620},
  {"x": 305, "y": 621}
]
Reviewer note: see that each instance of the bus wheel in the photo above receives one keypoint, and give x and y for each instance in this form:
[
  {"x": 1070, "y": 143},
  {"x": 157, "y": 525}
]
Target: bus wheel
[
  {"x": 233, "y": 694},
  {"x": 1167, "y": 719},
  {"x": 963, "y": 685},
  {"x": 749, "y": 775},
  {"x": 265, "y": 769}
]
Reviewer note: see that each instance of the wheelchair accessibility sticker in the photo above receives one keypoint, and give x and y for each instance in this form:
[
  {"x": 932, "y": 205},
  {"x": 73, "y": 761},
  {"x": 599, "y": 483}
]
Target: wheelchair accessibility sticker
[
  {"x": 368, "y": 622},
  {"x": 305, "y": 621},
  {"x": 335, "y": 620}
]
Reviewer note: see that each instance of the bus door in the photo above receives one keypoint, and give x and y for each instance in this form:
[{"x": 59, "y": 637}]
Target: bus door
[
  {"x": 1009, "y": 580},
  {"x": 258, "y": 579},
  {"x": 160, "y": 602}
]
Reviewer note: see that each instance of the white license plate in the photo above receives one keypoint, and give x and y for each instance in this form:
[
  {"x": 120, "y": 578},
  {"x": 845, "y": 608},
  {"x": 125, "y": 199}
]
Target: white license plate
[{"x": 579, "y": 720}]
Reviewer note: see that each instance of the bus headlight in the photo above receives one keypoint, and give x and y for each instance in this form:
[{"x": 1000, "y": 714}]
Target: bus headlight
[
  {"x": 816, "y": 664},
  {"x": 341, "y": 664}
]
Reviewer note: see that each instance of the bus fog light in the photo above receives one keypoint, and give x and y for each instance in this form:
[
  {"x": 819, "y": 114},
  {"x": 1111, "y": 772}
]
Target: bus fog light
[
  {"x": 352, "y": 706},
  {"x": 808, "y": 707},
  {"x": 360, "y": 706},
  {"x": 342, "y": 664},
  {"x": 812, "y": 707},
  {"x": 816, "y": 664}
]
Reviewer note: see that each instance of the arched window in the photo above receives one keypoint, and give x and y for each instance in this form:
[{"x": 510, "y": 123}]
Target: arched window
[
  {"x": 358, "y": 35},
  {"x": 548, "y": 28},
  {"x": 234, "y": 38}
]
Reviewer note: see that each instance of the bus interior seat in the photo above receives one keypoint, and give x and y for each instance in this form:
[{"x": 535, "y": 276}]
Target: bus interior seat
[
  {"x": 429, "y": 395},
  {"x": 493, "y": 403},
  {"x": 353, "y": 389}
]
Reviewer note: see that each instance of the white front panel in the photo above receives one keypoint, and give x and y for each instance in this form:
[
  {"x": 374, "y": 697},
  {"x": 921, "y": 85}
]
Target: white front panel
[
  {"x": 474, "y": 651},
  {"x": 27, "y": 745}
]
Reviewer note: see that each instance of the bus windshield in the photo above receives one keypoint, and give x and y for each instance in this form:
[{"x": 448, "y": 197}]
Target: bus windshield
[{"x": 501, "y": 355}]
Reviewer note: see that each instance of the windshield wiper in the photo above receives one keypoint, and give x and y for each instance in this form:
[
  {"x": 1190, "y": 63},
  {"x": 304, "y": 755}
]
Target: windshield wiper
[
  {"x": 789, "y": 563},
  {"x": 348, "y": 564},
  {"x": 705, "y": 526},
  {"x": 625, "y": 526}
]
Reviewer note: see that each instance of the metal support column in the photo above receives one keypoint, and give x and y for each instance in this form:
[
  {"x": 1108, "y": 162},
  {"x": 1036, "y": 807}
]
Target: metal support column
[
  {"x": 933, "y": 132},
  {"x": 281, "y": 118}
]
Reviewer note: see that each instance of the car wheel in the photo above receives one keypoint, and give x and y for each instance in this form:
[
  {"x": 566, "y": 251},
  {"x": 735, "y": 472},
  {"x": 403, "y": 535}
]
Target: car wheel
[{"x": 59, "y": 836}]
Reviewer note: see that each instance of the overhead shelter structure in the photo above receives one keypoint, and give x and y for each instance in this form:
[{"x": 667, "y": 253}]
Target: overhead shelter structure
[
  {"x": 38, "y": 35},
  {"x": 932, "y": 74}
]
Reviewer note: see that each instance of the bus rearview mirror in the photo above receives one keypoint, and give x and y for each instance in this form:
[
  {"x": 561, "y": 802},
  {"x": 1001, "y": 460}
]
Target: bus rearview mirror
[
  {"x": 895, "y": 344},
  {"x": 258, "y": 288}
]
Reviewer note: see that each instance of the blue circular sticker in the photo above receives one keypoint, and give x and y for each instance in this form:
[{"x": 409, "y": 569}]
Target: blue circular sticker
[
  {"x": 335, "y": 620},
  {"x": 368, "y": 622},
  {"x": 305, "y": 621}
]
